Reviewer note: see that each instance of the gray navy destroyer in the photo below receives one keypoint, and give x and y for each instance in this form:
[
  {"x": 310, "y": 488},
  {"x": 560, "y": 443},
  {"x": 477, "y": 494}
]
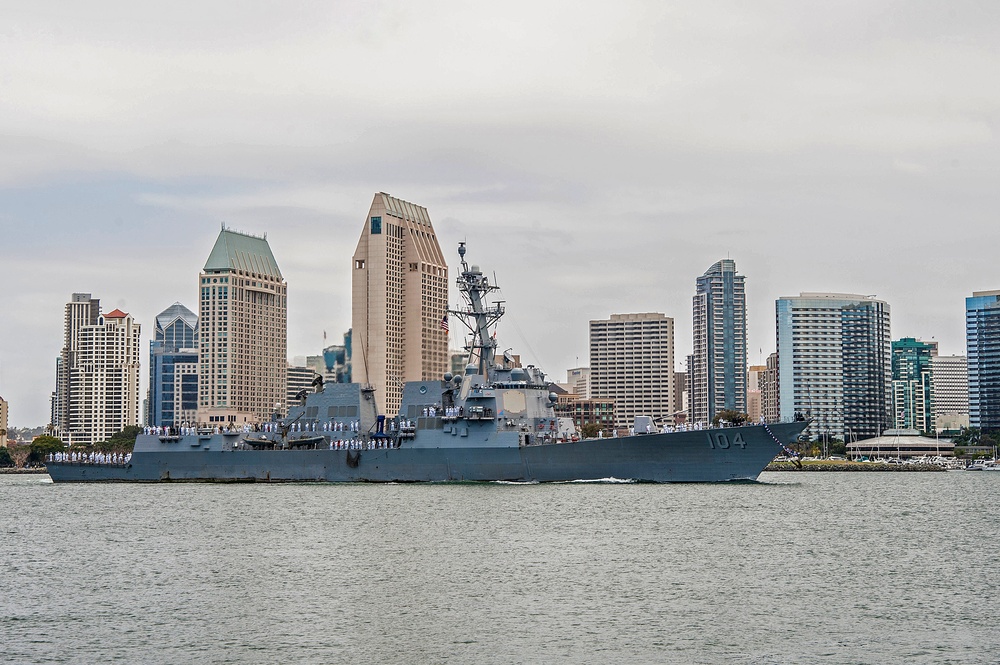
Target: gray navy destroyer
[{"x": 495, "y": 422}]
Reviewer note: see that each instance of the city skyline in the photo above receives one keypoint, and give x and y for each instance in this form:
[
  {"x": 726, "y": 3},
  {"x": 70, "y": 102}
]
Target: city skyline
[{"x": 849, "y": 152}]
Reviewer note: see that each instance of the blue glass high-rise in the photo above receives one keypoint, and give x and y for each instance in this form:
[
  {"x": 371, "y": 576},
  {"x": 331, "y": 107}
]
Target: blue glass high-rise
[
  {"x": 982, "y": 339},
  {"x": 173, "y": 368}
]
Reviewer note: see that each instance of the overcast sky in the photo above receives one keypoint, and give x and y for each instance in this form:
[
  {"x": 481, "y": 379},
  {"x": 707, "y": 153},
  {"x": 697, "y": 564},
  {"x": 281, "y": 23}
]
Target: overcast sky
[{"x": 596, "y": 156}]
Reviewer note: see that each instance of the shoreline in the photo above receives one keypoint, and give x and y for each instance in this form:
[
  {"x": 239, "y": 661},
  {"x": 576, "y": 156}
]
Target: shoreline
[
  {"x": 14, "y": 472},
  {"x": 852, "y": 466}
]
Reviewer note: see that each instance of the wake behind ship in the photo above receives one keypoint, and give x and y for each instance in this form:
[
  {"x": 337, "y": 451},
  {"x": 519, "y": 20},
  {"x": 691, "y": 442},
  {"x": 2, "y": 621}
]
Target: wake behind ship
[{"x": 495, "y": 422}]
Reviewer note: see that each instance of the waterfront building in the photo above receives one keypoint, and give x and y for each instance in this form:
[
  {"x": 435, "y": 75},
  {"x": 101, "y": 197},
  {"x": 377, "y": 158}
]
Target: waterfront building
[
  {"x": 950, "y": 392},
  {"x": 578, "y": 379},
  {"x": 900, "y": 444},
  {"x": 3, "y": 422},
  {"x": 399, "y": 301},
  {"x": 632, "y": 364},
  {"x": 717, "y": 375},
  {"x": 834, "y": 364},
  {"x": 769, "y": 392},
  {"x": 243, "y": 332},
  {"x": 982, "y": 339},
  {"x": 173, "y": 368},
  {"x": 97, "y": 381},
  {"x": 912, "y": 390}
]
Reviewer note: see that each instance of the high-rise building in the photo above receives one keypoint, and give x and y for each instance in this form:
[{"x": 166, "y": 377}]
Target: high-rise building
[
  {"x": 834, "y": 364},
  {"x": 243, "y": 332},
  {"x": 299, "y": 379},
  {"x": 982, "y": 340},
  {"x": 579, "y": 380},
  {"x": 950, "y": 381},
  {"x": 632, "y": 363},
  {"x": 717, "y": 375},
  {"x": 337, "y": 361},
  {"x": 173, "y": 368},
  {"x": 680, "y": 391},
  {"x": 399, "y": 301},
  {"x": 82, "y": 310},
  {"x": 3, "y": 422},
  {"x": 769, "y": 391},
  {"x": 912, "y": 389},
  {"x": 755, "y": 385},
  {"x": 97, "y": 376}
]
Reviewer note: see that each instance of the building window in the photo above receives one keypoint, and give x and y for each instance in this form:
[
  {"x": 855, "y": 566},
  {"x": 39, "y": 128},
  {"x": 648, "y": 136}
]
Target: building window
[{"x": 376, "y": 225}]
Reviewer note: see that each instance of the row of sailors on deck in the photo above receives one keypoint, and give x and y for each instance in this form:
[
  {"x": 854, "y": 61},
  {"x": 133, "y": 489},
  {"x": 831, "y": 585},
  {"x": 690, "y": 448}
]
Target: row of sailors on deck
[
  {"x": 359, "y": 444},
  {"x": 331, "y": 426},
  {"x": 448, "y": 411},
  {"x": 91, "y": 458}
]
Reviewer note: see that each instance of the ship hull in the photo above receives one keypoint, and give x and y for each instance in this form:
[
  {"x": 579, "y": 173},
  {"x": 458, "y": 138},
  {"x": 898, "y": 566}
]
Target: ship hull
[{"x": 714, "y": 455}]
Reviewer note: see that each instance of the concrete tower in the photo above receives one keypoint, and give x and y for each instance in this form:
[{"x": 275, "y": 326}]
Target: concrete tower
[{"x": 632, "y": 363}]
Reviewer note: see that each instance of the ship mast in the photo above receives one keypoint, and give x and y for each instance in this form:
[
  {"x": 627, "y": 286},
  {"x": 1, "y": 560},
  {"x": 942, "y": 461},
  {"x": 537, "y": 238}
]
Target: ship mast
[{"x": 478, "y": 316}]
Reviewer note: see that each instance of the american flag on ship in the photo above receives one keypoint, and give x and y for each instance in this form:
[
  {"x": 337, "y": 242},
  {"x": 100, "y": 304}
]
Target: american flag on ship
[{"x": 444, "y": 323}]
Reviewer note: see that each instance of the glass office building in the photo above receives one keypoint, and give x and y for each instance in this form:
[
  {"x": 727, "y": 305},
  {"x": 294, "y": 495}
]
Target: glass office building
[
  {"x": 912, "y": 384},
  {"x": 982, "y": 339},
  {"x": 173, "y": 368},
  {"x": 718, "y": 369}
]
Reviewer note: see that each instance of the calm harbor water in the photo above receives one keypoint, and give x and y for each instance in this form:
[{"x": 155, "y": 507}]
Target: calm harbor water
[{"x": 800, "y": 568}]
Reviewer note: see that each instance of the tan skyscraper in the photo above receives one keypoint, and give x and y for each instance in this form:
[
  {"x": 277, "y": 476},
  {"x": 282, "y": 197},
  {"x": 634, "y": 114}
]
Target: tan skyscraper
[
  {"x": 400, "y": 298},
  {"x": 243, "y": 330}
]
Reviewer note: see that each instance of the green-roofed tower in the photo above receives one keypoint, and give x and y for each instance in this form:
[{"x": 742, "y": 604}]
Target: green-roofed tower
[{"x": 242, "y": 332}]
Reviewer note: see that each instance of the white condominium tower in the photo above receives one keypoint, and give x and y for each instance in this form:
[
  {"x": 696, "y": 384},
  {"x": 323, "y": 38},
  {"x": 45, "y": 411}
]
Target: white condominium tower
[
  {"x": 632, "y": 363},
  {"x": 97, "y": 375},
  {"x": 242, "y": 332},
  {"x": 949, "y": 376},
  {"x": 835, "y": 364},
  {"x": 400, "y": 300}
]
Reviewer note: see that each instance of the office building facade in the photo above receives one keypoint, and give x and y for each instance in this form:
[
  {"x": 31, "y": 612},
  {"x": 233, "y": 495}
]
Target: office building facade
[
  {"x": 834, "y": 364},
  {"x": 769, "y": 390},
  {"x": 717, "y": 373},
  {"x": 982, "y": 340},
  {"x": 632, "y": 364},
  {"x": 578, "y": 379},
  {"x": 243, "y": 318},
  {"x": 399, "y": 301},
  {"x": 173, "y": 368}
]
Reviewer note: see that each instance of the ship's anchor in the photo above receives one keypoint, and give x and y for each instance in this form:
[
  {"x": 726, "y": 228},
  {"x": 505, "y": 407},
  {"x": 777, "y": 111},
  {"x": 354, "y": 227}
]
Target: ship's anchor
[{"x": 353, "y": 458}]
